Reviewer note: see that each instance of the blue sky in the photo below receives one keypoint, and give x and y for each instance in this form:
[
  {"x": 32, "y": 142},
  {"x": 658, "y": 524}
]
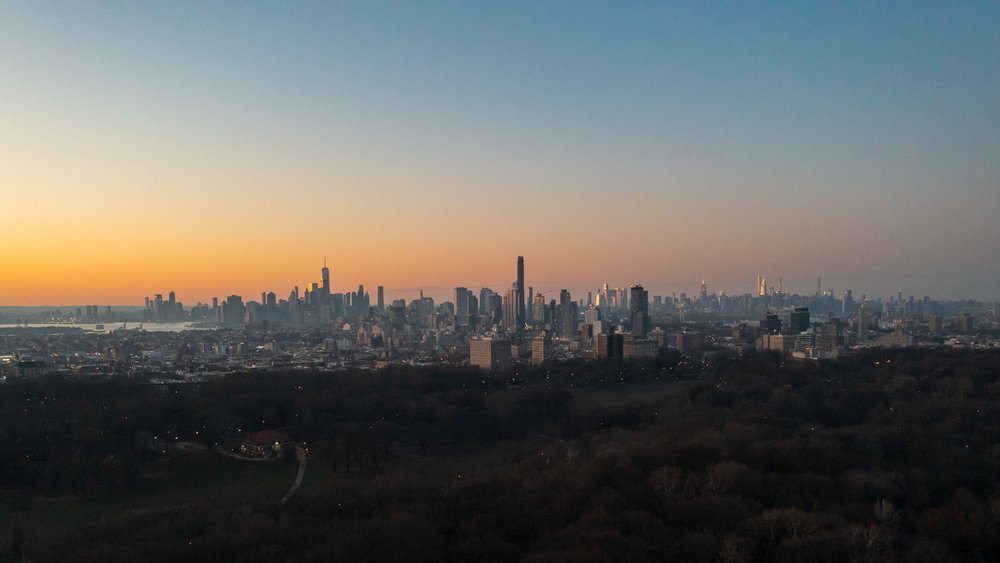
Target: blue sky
[{"x": 426, "y": 143}]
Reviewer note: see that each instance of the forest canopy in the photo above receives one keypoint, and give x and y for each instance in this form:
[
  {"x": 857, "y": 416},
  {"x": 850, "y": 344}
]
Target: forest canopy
[{"x": 885, "y": 455}]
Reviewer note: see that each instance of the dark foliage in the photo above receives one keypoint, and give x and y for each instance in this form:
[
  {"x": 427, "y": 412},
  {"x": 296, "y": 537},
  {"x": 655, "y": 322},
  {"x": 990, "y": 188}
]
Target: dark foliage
[{"x": 888, "y": 455}]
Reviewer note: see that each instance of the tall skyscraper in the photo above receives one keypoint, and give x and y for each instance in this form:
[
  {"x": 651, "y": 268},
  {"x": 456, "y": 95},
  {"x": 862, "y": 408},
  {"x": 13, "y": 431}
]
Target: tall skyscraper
[
  {"x": 538, "y": 309},
  {"x": 567, "y": 315},
  {"x": 520, "y": 294},
  {"x": 541, "y": 348},
  {"x": 381, "y": 298},
  {"x": 326, "y": 277},
  {"x": 461, "y": 306},
  {"x": 639, "y": 309},
  {"x": 484, "y": 300},
  {"x": 528, "y": 312},
  {"x": 510, "y": 309}
]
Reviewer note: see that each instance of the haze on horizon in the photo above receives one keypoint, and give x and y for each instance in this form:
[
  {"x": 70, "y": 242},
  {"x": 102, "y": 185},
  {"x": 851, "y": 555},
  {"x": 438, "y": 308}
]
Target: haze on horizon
[{"x": 225, "y": 148}]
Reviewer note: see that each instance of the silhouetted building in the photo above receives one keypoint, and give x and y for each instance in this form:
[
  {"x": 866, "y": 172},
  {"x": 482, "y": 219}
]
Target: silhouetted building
[
  {"x": 798, "y": 321},
  {"x": 461, "y": 307},
  {"x": 567, "y": 315},
  {"x": 965, "y": 323},
  {"x": 490, "y": 354},
  {"x": 771, "y": 324},
  {"x": 935, "y": 324},
  {"x": 689, "y": 343},
  {"x": 510, "y": 309},
  {"x": 781, "y": 342},
  {"x": 639, "y": 347},
  {"x": 609, "y": 346},
  {"x": 541, "y": 348},
  {"x": 520, "y": 294},
  {"x": 639, "y": 310}
]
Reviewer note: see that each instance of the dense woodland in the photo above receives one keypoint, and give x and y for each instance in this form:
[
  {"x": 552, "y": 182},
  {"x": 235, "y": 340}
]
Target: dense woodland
[{"x": 888, "y": 455}]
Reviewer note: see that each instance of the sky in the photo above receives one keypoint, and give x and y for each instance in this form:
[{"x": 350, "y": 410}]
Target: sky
[{"x": 215, "y": 148}]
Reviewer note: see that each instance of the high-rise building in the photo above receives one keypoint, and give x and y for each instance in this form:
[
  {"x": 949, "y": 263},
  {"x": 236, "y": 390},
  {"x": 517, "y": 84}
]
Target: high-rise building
[
  {"x": 490, "y": 354},
  {"x": 461, "y": 307},
  {"x": 538, "y": 309},
  {"x": 864, "y": 320},
  {"x": 639, "y": 310},
  {"x": 484, "y": 300},
  {"x": 232, "y": 310},
  {"x": 689, "y": 343},
  {"x": 935, "y": 324},
  {"x": 541, "y": 348},
  {"x": 326, "y": 277},
  {"x": 609, "y": 346},
  {"x": 798, "y": 321},
  {"x": 567, "y": 315},
  {"x": 510, "y": 309},
  {"x": 520, "y": 294},
  {"x": 771, "y": 324},
  {"x": 965, "y": 323},
  {"x": 847, "y": 305},
  {"x": 639, "y": 347},
  {"x": 826, "y": 340},
  {"x": 381, "y": 298},
  {"x": 529, "y": 314},
  {"x": 494, "y": 310}
]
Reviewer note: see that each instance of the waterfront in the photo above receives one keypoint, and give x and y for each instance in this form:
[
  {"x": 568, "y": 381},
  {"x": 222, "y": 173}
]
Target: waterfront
[{"x": 113, "y": 326}]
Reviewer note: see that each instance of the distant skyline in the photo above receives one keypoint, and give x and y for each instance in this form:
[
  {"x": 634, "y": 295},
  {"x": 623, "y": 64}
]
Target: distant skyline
[
  {"x": 225, "y": 148},
  {"x": 441, "y": 293}
]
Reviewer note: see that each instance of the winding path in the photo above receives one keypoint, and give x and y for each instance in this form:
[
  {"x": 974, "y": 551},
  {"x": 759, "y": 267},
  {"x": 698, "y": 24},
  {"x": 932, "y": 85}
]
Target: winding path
[{"x": 300, "y": 454}]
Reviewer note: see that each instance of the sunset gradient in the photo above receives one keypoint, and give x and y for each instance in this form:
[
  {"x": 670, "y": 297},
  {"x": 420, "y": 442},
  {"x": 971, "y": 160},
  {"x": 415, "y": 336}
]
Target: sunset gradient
[{"x": 225, "y": 149}]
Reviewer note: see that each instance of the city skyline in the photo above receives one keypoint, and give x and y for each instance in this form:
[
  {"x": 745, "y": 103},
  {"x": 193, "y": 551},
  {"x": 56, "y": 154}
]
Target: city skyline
[
  {"x": 220, "y": 149},
  {"x": 329, "y": 283}
]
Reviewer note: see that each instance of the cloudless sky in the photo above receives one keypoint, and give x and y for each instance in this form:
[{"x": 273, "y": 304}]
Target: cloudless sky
[{"x": 218, "y": 148}]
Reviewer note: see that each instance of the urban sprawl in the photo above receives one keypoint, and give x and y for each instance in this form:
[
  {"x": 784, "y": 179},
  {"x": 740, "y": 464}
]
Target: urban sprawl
[{"x": 321, "y": 330}]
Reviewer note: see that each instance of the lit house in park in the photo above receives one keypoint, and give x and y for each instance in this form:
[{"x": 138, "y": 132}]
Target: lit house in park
[{"x": 264, "y": 443}]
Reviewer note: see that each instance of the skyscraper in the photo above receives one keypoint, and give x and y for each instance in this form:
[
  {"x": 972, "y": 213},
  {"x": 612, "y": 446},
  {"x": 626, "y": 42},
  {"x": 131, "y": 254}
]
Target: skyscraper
[
  {"x": 461, "y": 306},
  {"x": 484, "y": 300},
  {"x": 567, "y": 315},
  {"x": 510, "y": 309},
  {"x": 326, "y": 277},
  {"x": 639, "y": 309},
  {"x": 529, "y": 317},
  {"x": 541, "y": 348},
  {"x": 520, "y": 294},
  {"x": 798, "y": 321}
]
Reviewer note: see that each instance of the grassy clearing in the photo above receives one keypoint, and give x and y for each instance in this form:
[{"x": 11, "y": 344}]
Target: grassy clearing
[{"x": 166, "y": 484}]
